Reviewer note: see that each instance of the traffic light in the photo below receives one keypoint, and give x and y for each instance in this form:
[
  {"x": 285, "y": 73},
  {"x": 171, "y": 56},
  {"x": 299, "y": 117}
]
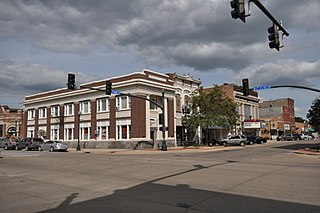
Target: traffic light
[
  {"x": 274, "y": 37},
  {"x": 108, "y": 87},
  {"x": 161, "y": 118},
  {"x": 238, "y": 10},
  {"x": 245, "y": 86},
  {"x": 71, "y": 81}
]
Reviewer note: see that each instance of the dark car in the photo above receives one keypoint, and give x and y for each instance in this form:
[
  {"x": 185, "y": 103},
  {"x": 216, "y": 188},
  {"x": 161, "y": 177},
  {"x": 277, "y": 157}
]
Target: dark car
[
  {"x": 289, "y": 137},
  {"x": 256, "y": 139},
  {"x": 30, "y": 144}
]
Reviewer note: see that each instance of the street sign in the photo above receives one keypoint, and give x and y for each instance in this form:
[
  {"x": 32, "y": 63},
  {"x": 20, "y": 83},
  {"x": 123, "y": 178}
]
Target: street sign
[
  {"x": 115, "y": 92},
  {"x": 261, "y": 87}
]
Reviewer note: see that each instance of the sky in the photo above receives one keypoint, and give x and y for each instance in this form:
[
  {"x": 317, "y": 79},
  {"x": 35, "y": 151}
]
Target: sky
[{"x": 41, "y": 41}]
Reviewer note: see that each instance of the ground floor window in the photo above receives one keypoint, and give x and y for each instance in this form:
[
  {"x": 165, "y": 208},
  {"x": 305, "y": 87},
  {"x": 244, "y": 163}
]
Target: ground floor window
[
  {"x": 55, "y": 130},
  {"x": 123, "y": 129},
  {"x": 85, "y": 129},
  {"x": 103, "y": 130},
  {"x": 68, "y": 131},
  {"x": 30, "y": 131}
]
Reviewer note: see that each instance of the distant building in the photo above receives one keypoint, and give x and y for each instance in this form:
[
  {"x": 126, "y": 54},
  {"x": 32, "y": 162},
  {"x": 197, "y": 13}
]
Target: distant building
[
  {"x": 248, "y": 109},
  {"x": 111, "y": 121},
  {"x": 10, "y": 121},
  {"x": 278, "y": 116}
]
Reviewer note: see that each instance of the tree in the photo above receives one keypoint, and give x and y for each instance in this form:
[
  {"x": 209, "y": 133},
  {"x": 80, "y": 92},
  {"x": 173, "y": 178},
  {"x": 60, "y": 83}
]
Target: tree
[
  {"x": 314, "y": 114},
  {"x": 212, "y": 108}
]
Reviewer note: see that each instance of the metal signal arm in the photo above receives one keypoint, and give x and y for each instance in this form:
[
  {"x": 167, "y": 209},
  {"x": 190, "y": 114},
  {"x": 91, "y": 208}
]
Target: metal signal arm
[{"x": 268, "y": 14}]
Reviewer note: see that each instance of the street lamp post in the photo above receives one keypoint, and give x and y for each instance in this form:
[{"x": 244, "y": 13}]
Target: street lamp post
[
  {"x": 164, "y": 146},
  {"x": 78, "y": 146}
]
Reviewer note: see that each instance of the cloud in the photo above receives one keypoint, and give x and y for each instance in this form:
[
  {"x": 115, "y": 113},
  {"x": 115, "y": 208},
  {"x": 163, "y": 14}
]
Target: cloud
[
  {"x": 197, "y": 34},
  {"x": 26, "y": 79},
  {"x": 283, "y": 72}
]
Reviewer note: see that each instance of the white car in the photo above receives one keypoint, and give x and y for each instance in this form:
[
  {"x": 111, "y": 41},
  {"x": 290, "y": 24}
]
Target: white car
[
  {"x": 54, "y": 146},
  {"x": 306, "y": 136}
]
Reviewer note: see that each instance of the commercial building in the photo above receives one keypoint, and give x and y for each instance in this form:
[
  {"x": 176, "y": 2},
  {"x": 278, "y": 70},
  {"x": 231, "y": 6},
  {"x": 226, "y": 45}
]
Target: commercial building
[
  {"x": 278, "y": 116},
  {"x": 116, "y": 121},
  {"x": 10, "y": 122},
  {"x": 248, "y": 110}
]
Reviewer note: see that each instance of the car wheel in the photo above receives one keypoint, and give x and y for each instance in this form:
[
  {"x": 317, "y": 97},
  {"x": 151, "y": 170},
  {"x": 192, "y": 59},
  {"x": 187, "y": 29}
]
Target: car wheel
[
  {"x": 17, "y": 148},
  {"x": 6, "y": 147},
  {"x": 39, "y": 148},
  {"x": 51, "y": 149},
  {"x": 224, "y": 143},
  {"x": 251, "y": 142},
  {"x": 27, "y": 148},
  {"x": 242, "y": 143}
]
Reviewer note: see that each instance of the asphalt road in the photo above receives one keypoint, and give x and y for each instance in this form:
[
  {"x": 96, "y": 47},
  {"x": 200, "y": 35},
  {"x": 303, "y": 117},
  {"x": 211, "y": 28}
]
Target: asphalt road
[{"x": 259, "y": 178}]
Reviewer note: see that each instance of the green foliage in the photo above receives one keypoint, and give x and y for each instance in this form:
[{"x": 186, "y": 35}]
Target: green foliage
[
  {"x": 314, "y": 114},
  {"x": 212, "y": 108}
]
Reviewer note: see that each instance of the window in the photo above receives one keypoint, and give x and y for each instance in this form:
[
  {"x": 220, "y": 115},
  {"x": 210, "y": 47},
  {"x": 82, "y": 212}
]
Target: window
[
  {"x": 68, "y": 131},
  {"x": 103, "y": 132},
  {"x": 68, "y": 109},
  {"x": 123, "y": 129},
  {"x": 103, "y": 105},
  {"x": 123, "y": 102},
  {"x": 43, "y": 113},
  {"x": 85, "y": 130},
  {"x": 178, "y": 103},
  {"x": 55, "y": 130},
  {"x": 156, "y": 100},
  {"x": 55, "y": 111},
  {"x": 247, "y": 112},
  {"x": 31, "y": 114},
  {"x": 30, "y": 131},
  {"x": 85, "y": 107}
]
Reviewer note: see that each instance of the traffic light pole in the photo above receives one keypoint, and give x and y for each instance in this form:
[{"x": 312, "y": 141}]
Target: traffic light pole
[{"x": 268, "y": 14}]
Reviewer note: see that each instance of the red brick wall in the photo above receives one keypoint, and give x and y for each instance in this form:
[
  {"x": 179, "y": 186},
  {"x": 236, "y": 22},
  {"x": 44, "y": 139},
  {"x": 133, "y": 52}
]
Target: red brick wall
[
  {"x": 138, "y": 118},
  {"x": 170, "y": 117}
]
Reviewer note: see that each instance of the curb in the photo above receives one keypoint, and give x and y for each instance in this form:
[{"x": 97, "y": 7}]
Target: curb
[{"x": 307, "y": 152}]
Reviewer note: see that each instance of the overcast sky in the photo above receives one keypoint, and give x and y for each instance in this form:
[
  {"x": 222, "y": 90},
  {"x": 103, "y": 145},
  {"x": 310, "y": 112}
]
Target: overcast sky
[{"x": 41, "y": 41}]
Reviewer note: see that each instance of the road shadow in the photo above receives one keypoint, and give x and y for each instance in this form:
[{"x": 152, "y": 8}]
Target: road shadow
[
  {"x": 298, "y": 146},
  {"x": 154, "y": 197}
]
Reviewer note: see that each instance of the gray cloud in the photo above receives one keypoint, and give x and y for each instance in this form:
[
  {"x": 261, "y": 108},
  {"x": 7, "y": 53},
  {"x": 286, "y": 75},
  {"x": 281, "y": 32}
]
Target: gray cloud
[{"x": 197, "y": 34}]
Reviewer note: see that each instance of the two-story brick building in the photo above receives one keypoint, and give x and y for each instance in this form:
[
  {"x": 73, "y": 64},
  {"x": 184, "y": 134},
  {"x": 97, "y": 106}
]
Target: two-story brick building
[{"x": 111, "y": 121}]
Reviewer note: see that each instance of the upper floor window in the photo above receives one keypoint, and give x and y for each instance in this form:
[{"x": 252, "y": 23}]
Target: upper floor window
[
  {"x": 178, "y": 103},
  {"x": 55, "y": 111},
  {"x": 123, "y": 102},
  {"x": 85, "y": 107},
  {"x": 69, "y": 109},
  {"x": 31, "y": 114},
  {"x": 43, "y": 113},
  {"x": 156, "y": 100},
  {"x": 103, "y": 105}
]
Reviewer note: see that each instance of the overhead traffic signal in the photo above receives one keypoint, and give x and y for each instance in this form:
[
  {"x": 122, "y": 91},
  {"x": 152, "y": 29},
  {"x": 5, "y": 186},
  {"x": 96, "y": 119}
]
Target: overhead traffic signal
[
  {"x": 274, "y": 37},
  {"x": 245, "y": 86},
  {"x": 71, "y": 81},
  {"x": 238, "y": 10},
  {"x": 108, "y": 88}
]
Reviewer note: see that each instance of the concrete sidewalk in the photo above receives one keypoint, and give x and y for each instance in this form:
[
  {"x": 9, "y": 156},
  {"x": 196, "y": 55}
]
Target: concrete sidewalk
[{"x": 152, "y": 151}]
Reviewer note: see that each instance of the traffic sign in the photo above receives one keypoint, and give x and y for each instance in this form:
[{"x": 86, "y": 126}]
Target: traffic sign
[
  {"x": 262, "y": 87},
  {"x": 115, "y": 92}
]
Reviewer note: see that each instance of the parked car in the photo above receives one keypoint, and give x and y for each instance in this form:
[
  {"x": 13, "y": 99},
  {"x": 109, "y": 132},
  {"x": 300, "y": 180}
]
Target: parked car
[
  {"x": 29, "y": 144},
  {"x": 256, "y": 139},
  {"x": 288, "y": 137},
  {"x": 7, "y": 143},
  {"x": 235, "y": 140},
  {"x": 305, "y": 136},
  {"x": 54, "y": 146}
]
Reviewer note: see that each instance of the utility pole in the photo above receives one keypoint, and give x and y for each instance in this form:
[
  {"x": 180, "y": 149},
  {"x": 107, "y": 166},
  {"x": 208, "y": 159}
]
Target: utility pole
[{"x": 164, "y": 146}]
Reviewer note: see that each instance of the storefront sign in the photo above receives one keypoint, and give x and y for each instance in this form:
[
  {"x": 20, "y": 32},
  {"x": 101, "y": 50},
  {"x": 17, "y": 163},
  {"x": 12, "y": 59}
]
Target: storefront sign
[{"x": 251, "y": 125}]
